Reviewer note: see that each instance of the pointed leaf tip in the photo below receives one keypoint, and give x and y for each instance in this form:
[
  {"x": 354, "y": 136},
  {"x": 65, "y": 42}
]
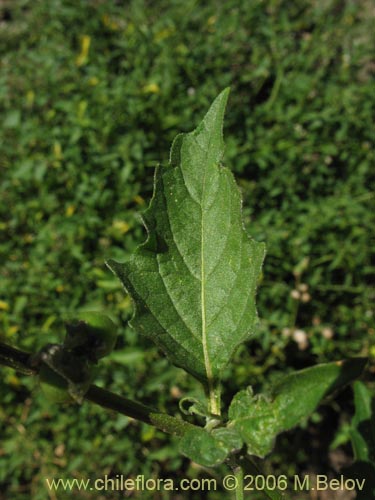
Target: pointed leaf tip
[
  {"x": 194, "y": 279},
  {"x": 211, "y": 128}
]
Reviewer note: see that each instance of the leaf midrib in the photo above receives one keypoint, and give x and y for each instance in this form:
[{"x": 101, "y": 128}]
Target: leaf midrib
[{"x": 207, "y": 361}]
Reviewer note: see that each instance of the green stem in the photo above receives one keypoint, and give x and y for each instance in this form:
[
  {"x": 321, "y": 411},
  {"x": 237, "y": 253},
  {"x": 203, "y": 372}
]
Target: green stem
[
  {"x": 14, "y": 358},
  {"x": 251, "y": 468},
  {"x": 238, "y": 473},
  {"x": 215, "y": 398},
  {"x": 137, "y": 410},
  {"x": 23, "y": 362}
]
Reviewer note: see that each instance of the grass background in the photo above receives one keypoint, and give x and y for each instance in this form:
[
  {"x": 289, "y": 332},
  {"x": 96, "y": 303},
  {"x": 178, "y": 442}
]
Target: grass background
[{"x": 92, "y": 94}]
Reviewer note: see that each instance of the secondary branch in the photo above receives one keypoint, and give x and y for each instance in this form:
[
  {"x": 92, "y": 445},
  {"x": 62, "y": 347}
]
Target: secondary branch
[{"x": 22, "y": 362}]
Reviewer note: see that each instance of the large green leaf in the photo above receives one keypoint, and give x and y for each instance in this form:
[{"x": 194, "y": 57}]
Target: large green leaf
[
  {"x": 193, "y": 281},
  {"x": 260, "y": 418}
]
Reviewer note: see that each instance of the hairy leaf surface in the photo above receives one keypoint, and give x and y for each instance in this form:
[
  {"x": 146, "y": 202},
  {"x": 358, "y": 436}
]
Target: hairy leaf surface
[
  {"x": 260, "y": 418},
  {"x": 193, "y": 281},
  {"x": 210, "y": 448}
]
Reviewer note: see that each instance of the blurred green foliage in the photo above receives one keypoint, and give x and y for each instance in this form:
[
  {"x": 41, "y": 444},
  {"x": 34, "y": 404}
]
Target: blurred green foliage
[{"x": 92, "y": 93}]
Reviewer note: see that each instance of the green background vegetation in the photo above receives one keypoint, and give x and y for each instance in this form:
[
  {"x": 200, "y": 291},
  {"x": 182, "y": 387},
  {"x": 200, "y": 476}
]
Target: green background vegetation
[{"x": 92, "y": 94}]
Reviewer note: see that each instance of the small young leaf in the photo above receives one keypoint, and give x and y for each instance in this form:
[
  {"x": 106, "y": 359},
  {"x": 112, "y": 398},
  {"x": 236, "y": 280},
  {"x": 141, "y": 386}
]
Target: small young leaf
[
  {"x": 202, "y": 448},
  {"x": 192, "y": 406},
  {"x": 210, "y": 448},
  {"x": 260, "y": 418},
  {"x": 255, "y": 419},
  {"x": 228, "y": 437},
  {"x": 193, "y": 281}
]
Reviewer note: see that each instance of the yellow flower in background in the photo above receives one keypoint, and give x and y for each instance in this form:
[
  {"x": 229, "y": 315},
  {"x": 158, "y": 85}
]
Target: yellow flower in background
[
  {"x": 110, "y": 23},
  {"x": 85, "y": 47},
  {"x": 12, "y": 380},
  {"x": 151, "y": 88},
  {"x": 163, "y": 34},
  {"x": 30, "y": 98},
  {"x": 28, "y": 238},
  {"x": 211, "y": 21},
  {"x": 12, "y": 330},
  {"x": 125, "y": 304},
  {"x": 70, "y": 209},
  {"x": 120, "y": 226},
  {"x": 93, "y": 81},
  {"x": 138, "y": 200},
  {"x": 82, "y": 106},
  {"x": 4, "y": 306},
  {"x": 57, "y": 152}
]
